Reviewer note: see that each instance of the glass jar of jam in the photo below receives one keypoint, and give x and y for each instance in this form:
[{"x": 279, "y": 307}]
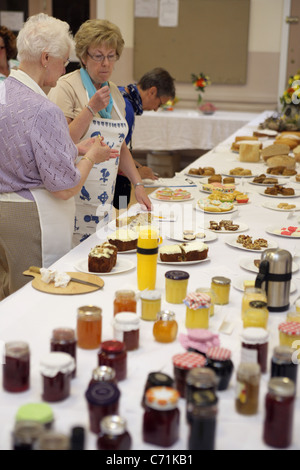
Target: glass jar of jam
[
  {"x": 54, "y": 441},
  {"x": 176, "y": 286},
  {"x": 63, "y": 340},
  {"x": 279, "y": 412},
  {"x": 103, "y": 374},
  {"x": 198, "y": 379},
  {"x": 125, "y": 301},
  {"x": 202, "y": 420},
  {"x": 26, "y": 434},
  {"x": 89, "y": 327},
  {"x": 220, "y": 285},
  {"x": 219, "y": 360},
  {"x": 165, "y": 328},
  {"x": 283, "y": 364},
  {"x": 247, "y": 388},
  {"x": 126, "y": 328},
  {"x": 182, "y": 363},
  {"x": 197, "y": 310},
  {"x": 157, "y": 379},
  {"x": 41, "y": 413},
  {"x": 113, "y": 354},
  {"x": 256, "y": 315},
  {"x": 113, "y": 434},
  {"x": 289, "y": 334},
  {"x": 56, "y": 370},
  {"x": 255, "y": 346},
  {"x": 102, "y": 400},
  {"x": 151, "y": 304},
  {"x": 16, "y": 367},
  {"x": 250, "y": 294},
  {"x": 161, "y": 416},
  {"x": 207, "y": 290}
]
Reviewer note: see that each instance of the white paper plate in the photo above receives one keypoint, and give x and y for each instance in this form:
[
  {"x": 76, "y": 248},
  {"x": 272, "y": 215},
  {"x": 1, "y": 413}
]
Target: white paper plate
[
  {"x": 280, "y": 196},
  {"x": 238, "y": 283},
  {"x": 242, "y": 228},
  {"x": 232, "y": 242},
  {"x": 183, "y": 263},
  {"x": 248, "y": 264},
  {"x": 194, "y": 176},
  {"x": 240, "y": 176},
  {"x": 197, "y": 208},
  {"x": 209, "y": 237},
  {"x": 273, "y": 206},
  {"x": 274, "y": 231},
  {"x": 280, "y": 181},
  {"x": 122, "y": 266}
]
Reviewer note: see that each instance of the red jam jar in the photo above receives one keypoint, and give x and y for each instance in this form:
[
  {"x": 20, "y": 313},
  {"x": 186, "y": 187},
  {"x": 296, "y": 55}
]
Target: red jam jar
[
  {"x": 127, "y": 329},
  {"x": 113, "y": 354},
  {"x": 161, "y": 416},
  {"x": 182, "y": 363},
  {"x": 103, "y": 374},
  {"x": 63, "y": 340},
  {"x": 103, "y": 400},
  {"x": 16, "y": 367},
  {"x": 113, "y": 435},
  {"x": 255, "y": 346},
  {"x": 219, "y": 360},
  {"x": 279, "y": 411},
  {"x": 56, "y": 370}
]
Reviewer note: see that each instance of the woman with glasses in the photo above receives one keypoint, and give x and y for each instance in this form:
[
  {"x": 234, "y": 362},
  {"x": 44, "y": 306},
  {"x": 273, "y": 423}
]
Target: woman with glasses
[
  {"x": 93, "y": 105},
  {"x": 8, "y": 52},
  {"x": 38, "y": 174}
]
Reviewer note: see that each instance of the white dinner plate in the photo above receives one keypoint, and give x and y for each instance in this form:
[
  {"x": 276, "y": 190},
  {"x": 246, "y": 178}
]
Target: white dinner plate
[
  {"x": 238, "y": 283},
  {"x": 273, "y": 206},
  {"x": 280, "y": 195},
  {"x": 152, "y": 196},
  {"x": 194, "y": 176},
  {"x": 280, "y": 181},
  {"x": 248, "y": 264},
  {"x": 240, "y": 176},
  {"x": 275, "y": 229},
  {"x": 197, "y": 208},
  {"x": 293, "y": 179},
  {"x": 205, "y": 181},
  {"x": 122, "y": 265},
  {"x": 232, "y": 242},
  {"x": 242, "y": 228},
  {"x": 183, "y": 263},
  {"x": 209, "y": 237}
]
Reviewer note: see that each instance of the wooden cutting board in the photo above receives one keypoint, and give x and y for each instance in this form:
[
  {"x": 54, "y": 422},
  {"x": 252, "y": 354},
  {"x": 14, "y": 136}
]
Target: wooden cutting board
[{"x": 71, "y": 289}]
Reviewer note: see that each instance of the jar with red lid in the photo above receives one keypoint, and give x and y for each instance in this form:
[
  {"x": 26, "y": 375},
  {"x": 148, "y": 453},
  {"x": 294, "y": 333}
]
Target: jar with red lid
[
  {"x": 16, "y": 367},
  {"x": 102, "y": 400},
  {"x": 125, "y": 301},
  {"x": 103, "y": 374},
  {"x": 182, "y": 363},
  {"x": 283, "y": 363},
  {"x": 113, "y": 353},
  {"x": 64, "y": 340},
  {"x": 161, "y": 416},
  {"x": 56, "y": 370},
  {"x": 157, "y": 379},
  {"x": 279, "y": 412},
  {"x": 113, "y": 434},
  {"x": 219, "y": 360},
  {"x": 255, "y": 346},
  {"x": 289, "y": 334},
  {"x": 126, "y": 327}
]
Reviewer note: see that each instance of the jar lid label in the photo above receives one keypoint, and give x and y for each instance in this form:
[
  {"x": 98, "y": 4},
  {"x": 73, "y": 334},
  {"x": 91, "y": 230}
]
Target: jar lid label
[{"x": 189, "y": 360}]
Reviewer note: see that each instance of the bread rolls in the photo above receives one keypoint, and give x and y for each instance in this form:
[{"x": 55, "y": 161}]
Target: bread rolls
[{"x": 281, "y": 160}]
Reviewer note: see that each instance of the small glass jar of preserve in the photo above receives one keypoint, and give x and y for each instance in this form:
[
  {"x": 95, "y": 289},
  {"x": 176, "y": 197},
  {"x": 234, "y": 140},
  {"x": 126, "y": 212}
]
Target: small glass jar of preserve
[
  {"x": 256, "y": 315},
  {"x": 150, "y": 304},
  {"x": 283, "y": 364},
  {"x": 64, "y": 340},
  {"x": 113, "y": 434},
  {"x": 250, "y": 294},
  {"x": 103, "y": 374},
  {"x": 220, "y": 285},
  {"x": 102, "y": 400},
  {"x": 279, "y": 412},
  {"x": 89, "y": 327},
  {"x": 41, "y": 413},
  {"x": 207, "y": 290},
  {"x": 165, "y": 328},
  {"x": 293, "y": 316},
  {"x": 197, "y": 310},
  {"x": 161, "y": 416},
  {"x": 289, "y": 334},
  {"x": 247, "y": 388},
  {"x": 198, "y": 379},
  {"x": 255, "y": 347},
  {"x": 203, "y": 420},
  {"x": 182, "y": 363},
  {"x": 157, "y": 379},
  {"x": 125, "y": 301},
  {"x": 16, "y": 367},
  {"x": 56, "y": 369},
  {"x": 176, "y": 286},
  {"x": 126, "y": 328},
  {"x": 54, "y": 441},
  {"x": 219, "y": 360},
  {"x": 26, "y": 434},
  {"x": 113, "y": 354}
]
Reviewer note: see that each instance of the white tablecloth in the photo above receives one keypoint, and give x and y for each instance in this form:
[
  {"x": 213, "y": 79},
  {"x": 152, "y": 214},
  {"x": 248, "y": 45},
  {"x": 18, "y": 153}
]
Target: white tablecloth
[
  {"x": 31, "y": 315},
  {"x": 185, "y": 129}
]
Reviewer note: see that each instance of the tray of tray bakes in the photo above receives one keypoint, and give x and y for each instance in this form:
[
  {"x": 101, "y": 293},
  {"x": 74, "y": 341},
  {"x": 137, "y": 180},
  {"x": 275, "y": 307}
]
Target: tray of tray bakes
[
  {"x": 278, "y": 191},
  {"x": 249, "y": 243},
  {"x": 200, "y": 172},
  {"x": 264, "y": 180},
  {"x": 240, "y": 172},
  {"x": 226, "y": 226}
]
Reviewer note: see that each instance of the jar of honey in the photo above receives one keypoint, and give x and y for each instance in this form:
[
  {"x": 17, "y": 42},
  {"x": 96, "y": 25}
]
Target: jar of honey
[
  {"x": 176, "y": 286},
  {"x": 151, "y": 304},
  {"x": 16, "y": 367},
  {"x": 247, "y": 388},
  {"x": 56, "y": 370},
  {"x": 182, "y": 364},
  {"x": 220, "y": 285},
  {"x": 255, "y": 347},
  {"x": 125, "y": 301},
  {"x": 89, "y": 327},
  {"x": 197, "y": 310},
  {"x": 256, "y": 315},
  {"x": 207, "y": 290},
  {"x": 113, "y": 434},
  {"x": 289, "y": 334},
  {"x": 113, "y": 354},
  {"x": 127, "y": 329},
  {"x": 63, "y": 340},
  {"x": 165, "y": 328},
  {"x": 250, "y": 294},
  {"x": 102, "y": 400}
]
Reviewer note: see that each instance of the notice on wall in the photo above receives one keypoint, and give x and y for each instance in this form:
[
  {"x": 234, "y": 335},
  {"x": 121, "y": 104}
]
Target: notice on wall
[
  {"x": 168, "y": 13},
  {"x": 13, "y": 20},
  {"x": 146, "y": 9}
]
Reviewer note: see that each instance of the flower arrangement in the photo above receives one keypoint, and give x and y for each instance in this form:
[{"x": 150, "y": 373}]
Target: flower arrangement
[
  {"x": 169, "y": 105},
  {"x": 292, "y": 94},
  {"x": 200, "y": 82}
]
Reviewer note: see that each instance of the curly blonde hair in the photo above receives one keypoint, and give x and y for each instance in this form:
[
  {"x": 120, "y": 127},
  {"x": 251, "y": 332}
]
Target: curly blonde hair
[
  {"x": 98, "y": 33},
  {"x": 9, "y": 42}
]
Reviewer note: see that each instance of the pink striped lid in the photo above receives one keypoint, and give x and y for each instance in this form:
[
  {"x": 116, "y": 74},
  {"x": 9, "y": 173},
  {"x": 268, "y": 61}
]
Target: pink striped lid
[
  {"x": 188, "y": 360},
  {"x": 291, "y": 328},
  {"x": 221, "y": 354},
  {"x": 196, "y": 300}
]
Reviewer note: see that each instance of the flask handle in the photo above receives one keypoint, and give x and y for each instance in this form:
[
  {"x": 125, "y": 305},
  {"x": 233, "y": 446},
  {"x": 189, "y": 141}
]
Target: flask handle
[{"x": 262, "y": 275}]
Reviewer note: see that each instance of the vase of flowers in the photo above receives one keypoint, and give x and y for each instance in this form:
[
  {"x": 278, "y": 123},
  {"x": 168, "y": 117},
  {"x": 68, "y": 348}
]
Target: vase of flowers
[{"x": 200, "y": 82}]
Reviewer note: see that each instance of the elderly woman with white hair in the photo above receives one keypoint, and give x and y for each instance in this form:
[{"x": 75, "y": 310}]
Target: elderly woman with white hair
[{"x": 38, "y": 174}]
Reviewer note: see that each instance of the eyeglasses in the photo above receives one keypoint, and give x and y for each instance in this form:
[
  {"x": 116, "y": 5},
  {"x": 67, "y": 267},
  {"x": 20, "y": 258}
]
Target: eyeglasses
[
  {"x": 67, "y": 63},
  {"x": 101, "y": 57}
]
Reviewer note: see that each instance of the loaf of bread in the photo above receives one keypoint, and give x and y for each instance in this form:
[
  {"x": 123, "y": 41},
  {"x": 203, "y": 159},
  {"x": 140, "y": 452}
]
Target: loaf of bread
[
  {"x": 292, "y": 143},
  {"x": 296, "y": 151},
  {"x": 275, "y": 149},
  {"x": 265, "y": 133},
  {"x": 249, "y": 153},
  {"x": 284, "y": 160}
]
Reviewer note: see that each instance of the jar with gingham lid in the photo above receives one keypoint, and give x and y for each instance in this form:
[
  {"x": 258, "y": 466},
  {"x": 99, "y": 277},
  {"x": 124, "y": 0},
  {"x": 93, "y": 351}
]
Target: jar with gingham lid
[{"x": 219, "y": 360}]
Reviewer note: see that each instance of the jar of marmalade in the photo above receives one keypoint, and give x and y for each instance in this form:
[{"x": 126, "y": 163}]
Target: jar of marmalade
[
  {"x": 89, "y": 327},
  {"x": 197, "y": 310},
  {"x": 176, "y": 286},
  {"x": 127, "y": 329},
  {"x": 113, "y": 354},
  {"x": 207, "y": 290},
  {"x": 279, "y": 412},
  {"x": 182, "y": 363},
  {"x": 56, "y": 370},
  {"x": 255, "y": 347},
  {"x": 113, "y": 434},
  {"x": 165, "y": 328},
  {"x": 256, "y": 315},
  {"x": 16, "y": 367},
  {"x": 125, "y": 301},
  {"x": 102, "y": 400},
  {"x": 157, "y": 379},
  {"x": 283, "y": 364},
  {"x": 250, "y": 294},
  {"x": 247, "y": 390},
  {"x": 151, "y": 304},
  {"x": 219, "y": 360},
  {"x": 63, "y": 340},
  {"x": 289, "y": 334},
  {"x": 161, "y": 416},
  {"x": 221, "y": 287},
  {"x": 103, "y": 374}
]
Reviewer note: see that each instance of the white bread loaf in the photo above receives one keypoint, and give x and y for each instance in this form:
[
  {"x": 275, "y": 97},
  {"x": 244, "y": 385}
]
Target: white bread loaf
[
  {"x": 275, "y": 149},
  {"x": 281, "y": 160},
  {"x": 249, "y": 152}
]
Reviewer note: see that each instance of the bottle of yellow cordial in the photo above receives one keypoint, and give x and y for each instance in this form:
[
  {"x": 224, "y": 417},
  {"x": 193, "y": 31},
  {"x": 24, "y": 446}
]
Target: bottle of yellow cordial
[{"x": 147, "y": 250}]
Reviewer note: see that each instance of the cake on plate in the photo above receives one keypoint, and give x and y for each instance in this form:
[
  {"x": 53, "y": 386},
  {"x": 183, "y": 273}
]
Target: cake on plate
[
  {"x": 102, "y": 258},
  {"x": 124, "y": 239},
  {"x": 193, "y": 251}
]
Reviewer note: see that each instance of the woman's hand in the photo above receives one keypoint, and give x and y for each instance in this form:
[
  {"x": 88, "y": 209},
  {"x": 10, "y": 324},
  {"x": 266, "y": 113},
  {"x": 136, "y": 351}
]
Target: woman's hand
[
  {"x": 142, "y": 198},
  {"x": 99, "y": 152},
  {"x": 146, "y": 173},
  {"x": 85, "y": 145},
  {"x": 100, "y": 99}
]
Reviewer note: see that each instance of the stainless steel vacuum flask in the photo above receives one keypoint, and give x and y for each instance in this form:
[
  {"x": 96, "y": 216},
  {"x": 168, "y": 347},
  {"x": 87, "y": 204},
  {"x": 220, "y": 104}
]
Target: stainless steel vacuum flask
[{"x": 275, "y": 274}]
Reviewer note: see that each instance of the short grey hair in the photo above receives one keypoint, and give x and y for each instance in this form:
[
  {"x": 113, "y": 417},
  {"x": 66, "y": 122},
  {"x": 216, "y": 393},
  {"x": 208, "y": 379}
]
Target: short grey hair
[{"x": 43, "y": 33}]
